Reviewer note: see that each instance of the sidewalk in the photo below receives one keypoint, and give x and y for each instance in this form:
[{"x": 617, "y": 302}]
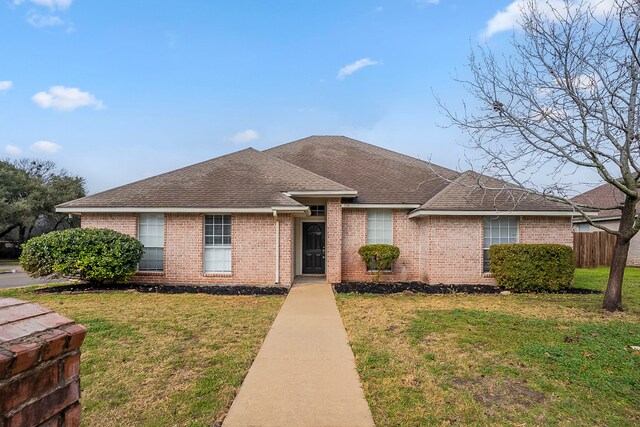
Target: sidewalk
[{"x": 304, "y": 374}]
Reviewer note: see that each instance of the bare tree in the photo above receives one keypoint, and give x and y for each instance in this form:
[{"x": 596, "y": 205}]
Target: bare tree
[{"x": 564, "y": 100}]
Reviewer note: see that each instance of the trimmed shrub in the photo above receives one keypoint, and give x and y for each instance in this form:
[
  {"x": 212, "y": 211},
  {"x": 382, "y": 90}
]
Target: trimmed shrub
[
  {"x": 532, "y": 267},
  {"x": 89, "y": 254},
  {"x": 379, "y": 257}
]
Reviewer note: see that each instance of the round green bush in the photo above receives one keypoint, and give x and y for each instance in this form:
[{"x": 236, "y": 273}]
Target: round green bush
[
  {"x": 379, "y": 257},
  {"x": 95, "y": 255},
  {"x": 524, "y": 267}
]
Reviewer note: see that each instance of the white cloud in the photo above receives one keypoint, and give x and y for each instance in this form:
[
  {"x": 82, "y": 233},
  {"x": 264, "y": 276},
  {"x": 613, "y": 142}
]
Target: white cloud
[
  {"x": 5, "y": 85},
  {"x": 507, "y": 18},
  {"x": 39, "y": 21},
  {"x": 63, "y": 98},
  {"x": 12, "y": 150},
  {"x": 51, "y": 4},
  {"x": 245, "y": 136},
  {"x": 45, "y": 147},
  {"x": 347, "y": 70}
]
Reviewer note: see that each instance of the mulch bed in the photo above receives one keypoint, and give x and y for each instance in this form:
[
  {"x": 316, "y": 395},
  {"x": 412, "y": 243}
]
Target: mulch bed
[
  {"x": 424, "y": 288},
  {"x": 167, "y": 289}
]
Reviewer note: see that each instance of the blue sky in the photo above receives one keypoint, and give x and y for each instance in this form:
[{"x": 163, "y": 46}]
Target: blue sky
[{"x": 120, "y": 90}]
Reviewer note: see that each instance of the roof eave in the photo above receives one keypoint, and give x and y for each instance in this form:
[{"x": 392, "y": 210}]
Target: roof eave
[
  {"x": 423, "y": 213},
  {"x": 322, "y": 193},
  {"x": 124, "y": 209}
]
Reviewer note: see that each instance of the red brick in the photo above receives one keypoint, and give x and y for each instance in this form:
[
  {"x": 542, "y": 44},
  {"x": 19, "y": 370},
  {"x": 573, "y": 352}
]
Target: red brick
[
  {"x": 39, "y": 381},
  {"x": 445, "y": 249},
  {"x": 45, "y": 408},
  {"x": 55, "y": 341},
  {"x": 26, "y": 355},
  {"x": 72, "y": 416},
  {"x": 52, "y": 422},
  {"x": 72, "y": 366},
  {"x": 5, "y": 362},
  {"x": 77, "y": 334}
]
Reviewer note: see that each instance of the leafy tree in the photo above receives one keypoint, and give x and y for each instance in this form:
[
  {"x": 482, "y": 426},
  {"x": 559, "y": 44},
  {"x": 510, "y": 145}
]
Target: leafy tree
[
  {"x": 565, "y": 100},
  {"x": 29, "y": 191}
]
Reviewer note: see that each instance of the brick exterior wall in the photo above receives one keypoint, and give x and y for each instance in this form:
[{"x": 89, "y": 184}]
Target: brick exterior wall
[
  {"x": 547, "y": 229},
  {"x": 252, "y": 248},
  {"x": 333, "y": 240},
  {"x": 455, "y": 250},
  {"x": 39, "y": 366},
  {"x": 438, "y": 249},
  {"x": 407, "y": 235},
  {"x": 125, "y": 223}
]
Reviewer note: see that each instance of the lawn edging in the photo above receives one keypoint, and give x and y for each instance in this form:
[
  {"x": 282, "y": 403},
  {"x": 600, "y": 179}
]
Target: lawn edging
[
  {"x": 426, "y": 288},
  {"x": 166, "y": 289}
]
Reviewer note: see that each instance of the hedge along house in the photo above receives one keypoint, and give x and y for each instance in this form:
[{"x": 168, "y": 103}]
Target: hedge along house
[{"x": 306, "y": 207}]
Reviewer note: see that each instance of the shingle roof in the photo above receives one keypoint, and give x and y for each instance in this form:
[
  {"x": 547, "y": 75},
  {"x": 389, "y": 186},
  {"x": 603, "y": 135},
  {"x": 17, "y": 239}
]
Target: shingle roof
[
  {"x": 244, "y": 179},
  {"x": 475, "y": 192},
  {"x": 250, "y": 179},
  {"x": 605, "y": 195},
  {"x": 379, "y": 175}
]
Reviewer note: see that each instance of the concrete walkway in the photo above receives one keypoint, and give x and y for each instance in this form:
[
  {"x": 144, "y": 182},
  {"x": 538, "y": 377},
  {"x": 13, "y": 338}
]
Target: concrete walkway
[{"x": 304, "y": 374}]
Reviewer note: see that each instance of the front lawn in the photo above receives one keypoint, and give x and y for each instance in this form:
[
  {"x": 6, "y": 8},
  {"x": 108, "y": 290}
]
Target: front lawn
[
  {"x": 156, "y": 360},
  {"x": 498, "y": 360}
]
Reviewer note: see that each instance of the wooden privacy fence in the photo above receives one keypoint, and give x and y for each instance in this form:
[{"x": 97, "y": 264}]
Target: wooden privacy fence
[{"x": 593, "y": 249}]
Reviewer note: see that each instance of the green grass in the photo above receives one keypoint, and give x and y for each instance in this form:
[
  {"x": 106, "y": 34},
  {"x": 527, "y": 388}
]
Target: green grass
[
  {"x": 499, "y": 360},
  {"x": 156, "y": 360},
  {"x": 9, "y": 262}
]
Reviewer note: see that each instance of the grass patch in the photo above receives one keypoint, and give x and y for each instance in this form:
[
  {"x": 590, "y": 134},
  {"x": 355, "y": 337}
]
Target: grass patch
[
  {"x": 498, "y": 360},
  {"x": 155, "y": 360}
]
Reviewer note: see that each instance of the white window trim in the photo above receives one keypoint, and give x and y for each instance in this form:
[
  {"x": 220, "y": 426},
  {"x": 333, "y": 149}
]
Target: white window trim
[
  {"x": 214, "y": 246},
  {"x": 161, "y": 271},
  {"x": 487, "y": 272}
]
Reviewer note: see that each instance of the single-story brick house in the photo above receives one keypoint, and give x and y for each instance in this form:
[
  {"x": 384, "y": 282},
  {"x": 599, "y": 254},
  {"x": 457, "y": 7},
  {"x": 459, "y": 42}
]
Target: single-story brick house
[
  {"x": 306, "y": 207},
  {"x": 607, "y": 195}
]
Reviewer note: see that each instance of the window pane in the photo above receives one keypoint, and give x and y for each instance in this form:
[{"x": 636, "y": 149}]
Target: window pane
[
  {"x": 217, "y": 260},
  {"x": 379, "y": 226},
  {"x": 498, "y": 231},
  {"x": 151, "y": 260},
  {"x": 151, "y": 235},
  {"x": 217, "y": 241},
  {"x": 217, "y": 230}
]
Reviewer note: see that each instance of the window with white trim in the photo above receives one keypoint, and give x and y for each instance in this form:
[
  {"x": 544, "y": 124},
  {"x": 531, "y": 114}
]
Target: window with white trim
[
  {"x": 496, "y": 231},
  {"x": 379, "y": 226},
  {"x": 317, "y": 210},
  {"x": 151, "y": 234},
  {"x": 217, "y": 243}
]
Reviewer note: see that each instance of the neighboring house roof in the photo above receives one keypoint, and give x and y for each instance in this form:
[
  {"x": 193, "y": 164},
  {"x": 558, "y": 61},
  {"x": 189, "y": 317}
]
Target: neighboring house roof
[
  {"x": 472, "y": 191},
  {"x": 337, "y": 166},
  {"x": 606, "y": 195},
  {"x": 379, "y": 175},
  {"x": 244, "y": 179}
]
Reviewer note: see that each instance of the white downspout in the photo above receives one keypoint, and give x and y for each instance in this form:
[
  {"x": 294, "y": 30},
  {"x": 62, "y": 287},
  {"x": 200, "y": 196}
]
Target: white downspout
[{"x": 275, "y": 215}]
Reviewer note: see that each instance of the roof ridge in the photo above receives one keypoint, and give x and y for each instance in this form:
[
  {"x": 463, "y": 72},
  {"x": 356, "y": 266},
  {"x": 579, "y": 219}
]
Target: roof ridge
[{"x": 372, "y": 147}]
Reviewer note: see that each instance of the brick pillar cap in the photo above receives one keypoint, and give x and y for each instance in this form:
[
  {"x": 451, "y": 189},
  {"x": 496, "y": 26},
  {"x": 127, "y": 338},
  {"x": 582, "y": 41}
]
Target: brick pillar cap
[{"x": 30, "y": 333}]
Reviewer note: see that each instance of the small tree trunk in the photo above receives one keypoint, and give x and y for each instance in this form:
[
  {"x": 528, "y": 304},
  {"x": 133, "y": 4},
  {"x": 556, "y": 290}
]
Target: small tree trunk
[
  {"x": 22, "y": 231},
  {"x": 613, "y": 294}
]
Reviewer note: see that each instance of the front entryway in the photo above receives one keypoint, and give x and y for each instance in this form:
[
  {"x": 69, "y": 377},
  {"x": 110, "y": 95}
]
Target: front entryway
[{"x": 313, "y": 247}]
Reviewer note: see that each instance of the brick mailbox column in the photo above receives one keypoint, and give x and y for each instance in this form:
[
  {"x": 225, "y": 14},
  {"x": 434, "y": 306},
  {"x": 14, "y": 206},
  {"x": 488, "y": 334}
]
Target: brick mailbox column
[{"x": 39, "y": 366}]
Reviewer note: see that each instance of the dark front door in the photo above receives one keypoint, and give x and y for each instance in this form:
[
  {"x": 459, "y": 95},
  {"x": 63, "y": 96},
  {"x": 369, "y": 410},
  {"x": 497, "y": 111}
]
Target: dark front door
[{"x": 313, "y": 248}]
